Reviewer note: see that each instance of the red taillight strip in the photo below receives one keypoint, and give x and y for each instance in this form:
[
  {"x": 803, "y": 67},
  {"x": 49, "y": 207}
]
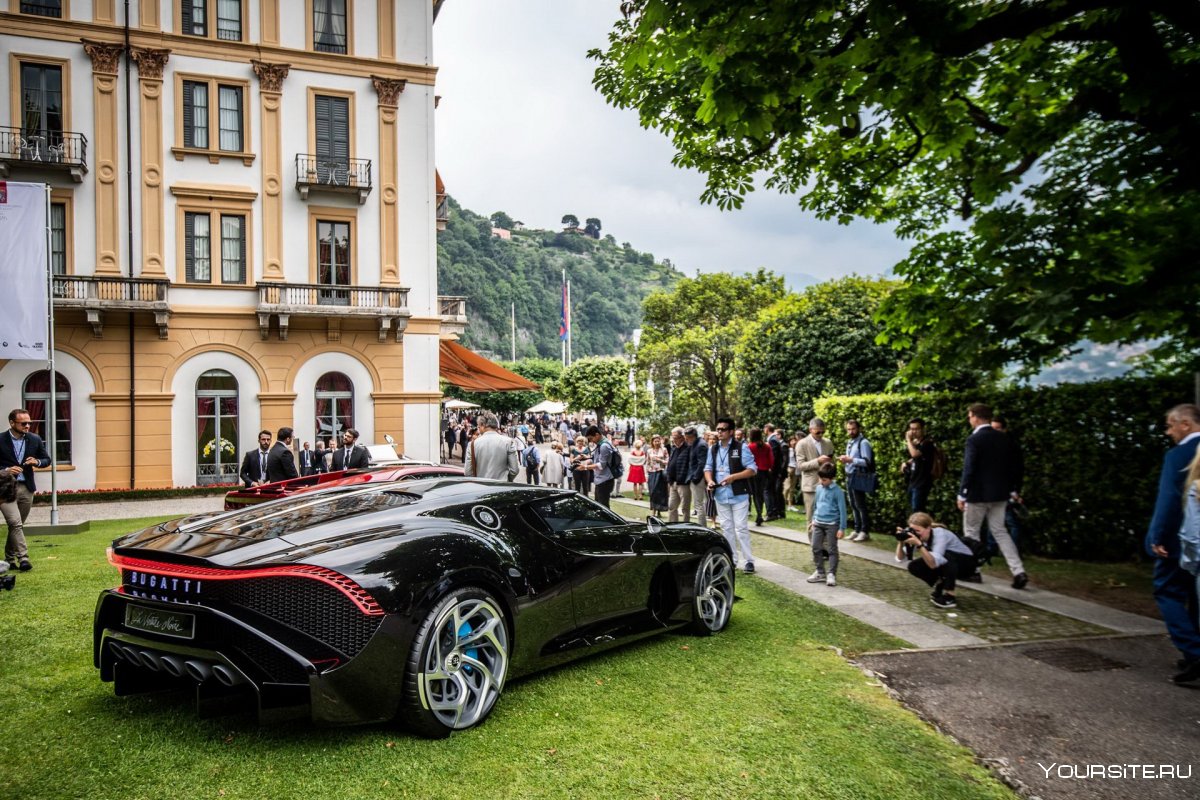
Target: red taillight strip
[{"x": 356, "y": 593}]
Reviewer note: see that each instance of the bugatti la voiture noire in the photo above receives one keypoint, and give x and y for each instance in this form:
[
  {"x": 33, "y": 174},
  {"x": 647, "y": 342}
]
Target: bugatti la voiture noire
[
  {"x": 417, "y": 600},
  {"x": 408, "y": 471}
]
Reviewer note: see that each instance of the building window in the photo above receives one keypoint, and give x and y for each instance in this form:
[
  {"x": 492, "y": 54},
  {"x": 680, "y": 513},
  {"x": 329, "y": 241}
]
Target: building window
[
  {"x": 230, "y": 101},
  {"x": 229, "y": 20},
  {"x": 193, "y": 17},
  {"x": 199, "y": 128},
  {"x": 201, "y": 17},
  {"x": 329, "y": 26},
  {"x": 58, "y": 238},
  {"x": 35, "y": 397},
  {"x": 42, "y": 101},
  {"x": 333, "y": 261},
  {"x": 198, "y": 242},
  {"x": 42, "y": 8},
  {"x": 216, "y": 428},
  {"x": 331, "y": 126},
  {"x": 335, "y": 407},
  {"x": 195, "y": 114}
]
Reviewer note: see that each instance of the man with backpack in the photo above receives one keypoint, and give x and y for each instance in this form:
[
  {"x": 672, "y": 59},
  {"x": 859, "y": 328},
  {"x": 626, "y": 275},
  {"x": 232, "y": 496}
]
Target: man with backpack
[
  {"x": 605, "y": 462},
  {"x": 919, "y": 469},
  {"x": 532, "y": 460}
]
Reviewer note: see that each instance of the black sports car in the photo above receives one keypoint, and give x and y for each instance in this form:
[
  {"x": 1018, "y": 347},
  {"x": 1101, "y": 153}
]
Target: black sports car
[{"x": 417, "y": 600}]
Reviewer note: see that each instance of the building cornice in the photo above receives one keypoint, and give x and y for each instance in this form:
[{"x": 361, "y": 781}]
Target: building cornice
[{"x": 238, "y": 52}]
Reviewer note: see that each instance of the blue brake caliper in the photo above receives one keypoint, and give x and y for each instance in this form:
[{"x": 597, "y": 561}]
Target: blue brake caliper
[{"x": 464, "y": 631}]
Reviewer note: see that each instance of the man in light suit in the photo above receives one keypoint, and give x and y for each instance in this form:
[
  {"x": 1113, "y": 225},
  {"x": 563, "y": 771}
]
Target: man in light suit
[
  {"x": 811, "y": 452},
  {"x": 281, "y": 463},
  {"x": 20, "y": 452},
  {"x": 311, "y": 463},
  {"x": 990, "y": 479},
  {"x": 1174, "y": 587},
  {"x": 350, "y": 455},
  {"x": 491, "y": 454}
]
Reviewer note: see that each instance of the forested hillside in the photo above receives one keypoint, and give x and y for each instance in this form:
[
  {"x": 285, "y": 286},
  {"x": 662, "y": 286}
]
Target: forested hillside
[{"x": 608, "y": 282}]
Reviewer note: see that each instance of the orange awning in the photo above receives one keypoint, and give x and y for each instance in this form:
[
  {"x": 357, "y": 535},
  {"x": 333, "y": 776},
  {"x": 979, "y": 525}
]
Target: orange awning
[{"x": 473, "y": 372}]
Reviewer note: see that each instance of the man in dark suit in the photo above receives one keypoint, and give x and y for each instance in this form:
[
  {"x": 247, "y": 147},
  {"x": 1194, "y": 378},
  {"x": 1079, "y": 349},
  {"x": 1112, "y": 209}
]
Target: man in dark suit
[
  {"x": 776, "y": 506},
  {"x": 311, "y": 463},
  {"x": 254, "y": 465},
  {"x": 20, "y": 452},
  {"x": 989, "y": 480},
  {"x": 697, "y": 460},
  {"x": 350, "y": 455},
  {"x": 281, "y": 462},
  {"x": 1174, "y": 587}
]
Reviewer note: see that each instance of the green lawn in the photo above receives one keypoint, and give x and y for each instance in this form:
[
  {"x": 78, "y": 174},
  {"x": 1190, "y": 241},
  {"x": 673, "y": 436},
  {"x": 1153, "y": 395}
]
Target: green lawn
[{"x": 767, "y": 709}]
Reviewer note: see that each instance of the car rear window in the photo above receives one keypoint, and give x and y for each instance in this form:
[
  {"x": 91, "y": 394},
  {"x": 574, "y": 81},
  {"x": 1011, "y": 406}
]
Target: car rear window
[{"x": 572, "y": 512}]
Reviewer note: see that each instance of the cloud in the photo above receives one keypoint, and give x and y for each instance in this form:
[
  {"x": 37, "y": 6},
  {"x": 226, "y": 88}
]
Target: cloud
[{"x": 521, "y": 129}]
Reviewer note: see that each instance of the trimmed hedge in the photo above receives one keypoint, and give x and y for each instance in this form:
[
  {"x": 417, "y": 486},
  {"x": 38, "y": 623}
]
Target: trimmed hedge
[
  {"x": 1093, "y": 453},
  {"x": 69, "y": 496}
]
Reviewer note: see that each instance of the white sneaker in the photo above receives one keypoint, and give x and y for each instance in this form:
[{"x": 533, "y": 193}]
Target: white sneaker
[
  {"x": 861, "y": 536},
  {"x": 830, "y": 580},
  {"x": 816, "y": 577}
]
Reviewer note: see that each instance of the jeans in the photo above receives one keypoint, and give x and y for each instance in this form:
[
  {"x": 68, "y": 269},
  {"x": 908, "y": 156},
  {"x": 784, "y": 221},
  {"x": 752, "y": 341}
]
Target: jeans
[
  {"x": 858, "y": 504},
  {"x": 918, "y": 498},
  {"x": 1175, "y": 592},
  {"x": 604, "y": 491},
  {"x": 760, "y": 490},
  {"x": 957, "y": 564}
]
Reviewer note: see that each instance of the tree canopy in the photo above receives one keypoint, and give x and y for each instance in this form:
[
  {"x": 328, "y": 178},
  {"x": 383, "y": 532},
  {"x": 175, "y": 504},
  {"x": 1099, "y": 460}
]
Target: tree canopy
[
  {"x": 690, "y": 334},
  {"x": 814, "y": 344},
  {"x": 1042, "y": 155},
  {"x": 599, "y": 384}
]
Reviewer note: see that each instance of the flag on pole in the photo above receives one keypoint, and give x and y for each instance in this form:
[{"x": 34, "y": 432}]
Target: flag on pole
[
  {"x": 564, "y": 319},
  {"x": 26, "y": 332}
]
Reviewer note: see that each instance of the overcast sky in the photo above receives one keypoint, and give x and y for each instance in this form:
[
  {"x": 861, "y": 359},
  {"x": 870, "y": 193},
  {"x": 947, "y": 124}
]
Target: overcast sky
[{"x": 520, "y": 129}]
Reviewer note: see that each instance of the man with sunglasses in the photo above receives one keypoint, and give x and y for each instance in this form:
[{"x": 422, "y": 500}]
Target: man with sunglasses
[
  {"x": 20, "y": 452},
  {"x": 728, "y": 472}
]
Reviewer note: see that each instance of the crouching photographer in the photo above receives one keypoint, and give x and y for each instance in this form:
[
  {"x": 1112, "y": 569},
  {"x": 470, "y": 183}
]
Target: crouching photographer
[{"x": 938, "y": 556}]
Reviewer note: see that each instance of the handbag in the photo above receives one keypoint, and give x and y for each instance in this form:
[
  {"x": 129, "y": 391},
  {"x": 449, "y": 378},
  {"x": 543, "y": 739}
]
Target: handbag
[
  {"x": 862, "y": 481},
  {"x": 710, "y": 505}
]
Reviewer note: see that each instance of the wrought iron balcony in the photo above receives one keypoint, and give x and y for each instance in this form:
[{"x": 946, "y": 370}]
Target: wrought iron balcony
[
  {"x": 342, "y": 175},
  {"x": 453, "y": 311},
  {"x": 95, "y": 294},
  {"x": 43, "y": 149},
  {"x": 387, "y": 304}
]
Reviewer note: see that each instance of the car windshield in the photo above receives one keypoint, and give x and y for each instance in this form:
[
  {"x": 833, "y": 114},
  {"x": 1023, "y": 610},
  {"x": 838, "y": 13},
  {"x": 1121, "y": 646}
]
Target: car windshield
[
  {"x": 573, "y": 512},
  {"x": 280, "y": 517}
]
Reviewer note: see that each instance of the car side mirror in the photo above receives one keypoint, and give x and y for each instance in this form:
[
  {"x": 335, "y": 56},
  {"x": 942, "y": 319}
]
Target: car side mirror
[{"x": 654, "y": 525}]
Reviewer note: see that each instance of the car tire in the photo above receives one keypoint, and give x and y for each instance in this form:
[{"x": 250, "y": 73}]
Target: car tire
[
  {"x": 458, "y": 663},
  {"x": 712, "y": 602}
]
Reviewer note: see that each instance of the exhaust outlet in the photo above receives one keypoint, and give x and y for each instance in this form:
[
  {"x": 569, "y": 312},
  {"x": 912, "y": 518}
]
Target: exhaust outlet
[
  {"x": 172, "y": 665},
  {"x": 131, "y": 655},
  {"x": 149, "y": 660},
  {"x": 117, "y": 651},
  {"x": 197, "y": 671},
  {"x": 225, "y": 675}
]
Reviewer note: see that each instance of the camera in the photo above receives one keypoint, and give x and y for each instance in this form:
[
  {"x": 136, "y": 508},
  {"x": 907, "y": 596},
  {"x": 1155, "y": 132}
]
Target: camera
[
  {"x": 7, "y": 582},
  {"x": 905, "y": 533}
]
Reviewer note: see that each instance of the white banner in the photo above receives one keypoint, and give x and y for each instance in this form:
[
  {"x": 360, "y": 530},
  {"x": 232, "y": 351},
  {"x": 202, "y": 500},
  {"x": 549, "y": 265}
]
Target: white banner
[{"x": 24, "y": 328}]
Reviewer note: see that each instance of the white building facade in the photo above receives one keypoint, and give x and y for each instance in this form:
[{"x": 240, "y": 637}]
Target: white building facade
[{"x": 243, "y": 227}]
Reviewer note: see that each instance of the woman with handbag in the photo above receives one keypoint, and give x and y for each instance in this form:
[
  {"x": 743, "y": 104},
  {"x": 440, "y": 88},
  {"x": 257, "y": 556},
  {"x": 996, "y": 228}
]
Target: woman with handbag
[{"x": 861, "y": 478}]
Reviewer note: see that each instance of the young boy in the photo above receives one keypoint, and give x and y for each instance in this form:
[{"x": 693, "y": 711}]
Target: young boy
[{"x": 828, "y": 525}]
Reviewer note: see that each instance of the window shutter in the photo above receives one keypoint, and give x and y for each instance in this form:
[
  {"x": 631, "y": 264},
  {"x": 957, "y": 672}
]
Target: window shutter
[
  {"x": 189, "y": 111},
  {"x": 189, "y": 255},
  {"x": 242, "y": 263},
  {"x": 185, "y": 17},
  {"x": 340, "y": 129},
  {"x": 323, "y": 128}
]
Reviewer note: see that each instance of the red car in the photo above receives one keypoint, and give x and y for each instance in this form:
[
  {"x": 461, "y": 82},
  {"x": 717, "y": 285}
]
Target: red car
[{"x": 241, "y": 498}]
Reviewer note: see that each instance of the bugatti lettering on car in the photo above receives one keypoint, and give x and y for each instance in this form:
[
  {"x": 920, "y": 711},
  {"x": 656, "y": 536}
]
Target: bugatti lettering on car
[{"x": 416, "y": 600}]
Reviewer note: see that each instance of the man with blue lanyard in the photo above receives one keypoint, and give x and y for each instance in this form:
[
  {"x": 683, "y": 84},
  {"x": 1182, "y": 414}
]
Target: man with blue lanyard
[{"x": 728, "y": 473}]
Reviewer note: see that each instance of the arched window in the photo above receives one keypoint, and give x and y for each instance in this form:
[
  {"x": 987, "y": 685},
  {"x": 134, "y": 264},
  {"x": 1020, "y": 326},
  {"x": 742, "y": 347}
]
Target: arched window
[
  {"x": 35, "y": 397},
  {"x": 335, "y": 406},
  {"x": 216, "y": 428}
]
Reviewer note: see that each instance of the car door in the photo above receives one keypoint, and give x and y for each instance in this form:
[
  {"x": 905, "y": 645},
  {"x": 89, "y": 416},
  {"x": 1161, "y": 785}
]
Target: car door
[{"x": 610, "y": 561}]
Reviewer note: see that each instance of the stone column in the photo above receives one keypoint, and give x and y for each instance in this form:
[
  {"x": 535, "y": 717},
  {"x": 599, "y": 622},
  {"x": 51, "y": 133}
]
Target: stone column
[
  {"x": 389, "y": 90},
  {"x": 106, "y": 59},
  {"x": 270, "y": 93},
  {"x": 150, "y": 65}
]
